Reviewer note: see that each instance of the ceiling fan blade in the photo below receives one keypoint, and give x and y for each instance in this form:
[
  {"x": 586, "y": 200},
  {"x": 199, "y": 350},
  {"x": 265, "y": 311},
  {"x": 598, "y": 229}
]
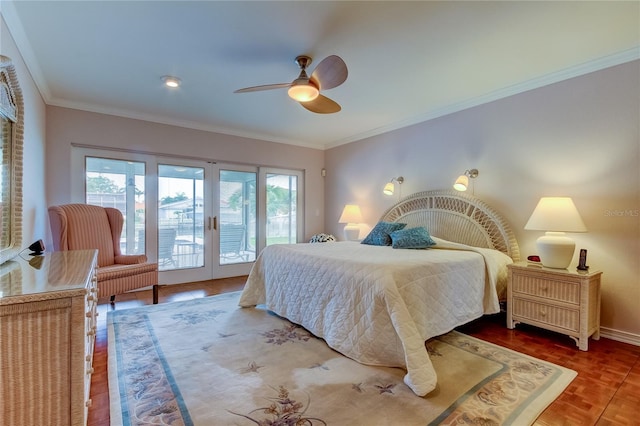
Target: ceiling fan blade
[
  {"x": 322, "y": 105},
  {"x": 263, "y": 87},
  {"x": 330, "y": 72}
]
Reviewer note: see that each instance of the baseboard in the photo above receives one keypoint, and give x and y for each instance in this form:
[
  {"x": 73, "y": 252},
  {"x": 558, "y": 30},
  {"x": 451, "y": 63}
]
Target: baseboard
[{"x": 620, "y": 336}]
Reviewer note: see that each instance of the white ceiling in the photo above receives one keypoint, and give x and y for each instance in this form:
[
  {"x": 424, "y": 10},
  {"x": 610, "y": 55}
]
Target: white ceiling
[{"x": 408, "y": 61}]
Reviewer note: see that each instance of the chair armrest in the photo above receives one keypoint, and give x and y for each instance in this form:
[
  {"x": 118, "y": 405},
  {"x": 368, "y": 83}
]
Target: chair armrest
[{"x": 130, "y": 259}]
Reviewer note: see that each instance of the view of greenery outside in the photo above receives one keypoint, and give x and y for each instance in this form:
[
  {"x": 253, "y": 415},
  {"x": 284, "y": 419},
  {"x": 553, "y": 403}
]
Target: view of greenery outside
[
  {"x": 169, "y": 199},
  {"x": 100, "y": 185},
  {"x": 277, "y": 200}
]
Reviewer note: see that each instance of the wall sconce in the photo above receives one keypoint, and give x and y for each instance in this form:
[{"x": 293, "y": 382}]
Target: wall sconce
[
  {"x": 390, "y": 188},
  {"x": 555, "y": 216},
  {"x": 462, "y": 183},
  {"x": 352, "y": 216}
]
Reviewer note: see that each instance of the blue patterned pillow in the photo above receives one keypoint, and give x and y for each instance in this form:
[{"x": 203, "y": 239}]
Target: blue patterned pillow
[
  {"x": 412, "y": 238},
  {"x": 380, "y": 234}
]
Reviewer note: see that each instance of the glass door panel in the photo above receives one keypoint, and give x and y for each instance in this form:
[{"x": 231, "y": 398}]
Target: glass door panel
[
  {"x": 282, "y": 203},
  {"x": 237, "y": 216},
  {"x": 236, "y": 210},
  {"x": 181, "y": 217},
  {"x": 119, "y": 184}
]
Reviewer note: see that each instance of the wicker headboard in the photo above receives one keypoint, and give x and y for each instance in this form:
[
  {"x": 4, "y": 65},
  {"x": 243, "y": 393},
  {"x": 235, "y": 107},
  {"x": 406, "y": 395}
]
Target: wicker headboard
[{"x": 457, "y": 217}]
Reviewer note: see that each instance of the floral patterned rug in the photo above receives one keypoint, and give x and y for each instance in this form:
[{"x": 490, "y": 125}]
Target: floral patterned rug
[{"x": 209, "y": 362}]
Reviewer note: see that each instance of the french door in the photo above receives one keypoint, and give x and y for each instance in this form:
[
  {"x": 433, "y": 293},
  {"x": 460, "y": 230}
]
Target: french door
[
  {"x": 199, "y": 220},
  {"x": 235, "y": 222}
]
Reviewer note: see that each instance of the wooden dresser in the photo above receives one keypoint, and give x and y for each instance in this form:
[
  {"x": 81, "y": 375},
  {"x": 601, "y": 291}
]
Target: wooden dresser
[
  {"x": 47, "y": 334},
  {"x": 564, "y": 301}
]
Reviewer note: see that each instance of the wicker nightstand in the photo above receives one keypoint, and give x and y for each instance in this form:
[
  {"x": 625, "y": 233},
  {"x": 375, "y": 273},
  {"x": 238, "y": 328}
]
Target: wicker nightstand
[{"x": 560, "y": 300}]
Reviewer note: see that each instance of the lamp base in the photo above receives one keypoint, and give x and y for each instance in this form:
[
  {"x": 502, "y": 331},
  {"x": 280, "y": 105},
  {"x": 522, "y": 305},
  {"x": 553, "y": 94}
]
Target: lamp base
[
  {"x": 555, "y": 250},
  {"x": 351, "y": 232}
]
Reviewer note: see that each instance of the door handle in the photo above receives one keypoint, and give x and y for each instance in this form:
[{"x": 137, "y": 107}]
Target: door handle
[{"x": 215, "y": 223}]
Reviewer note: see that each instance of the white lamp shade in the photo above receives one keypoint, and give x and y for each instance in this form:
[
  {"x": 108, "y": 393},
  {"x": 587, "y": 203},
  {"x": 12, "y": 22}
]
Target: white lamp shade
[
  {"x": 351, "y": 214},
  {"x": 556, "y": 215},
  {"x": 462, "y": 183},
  {"x": 388, "y": 188}
]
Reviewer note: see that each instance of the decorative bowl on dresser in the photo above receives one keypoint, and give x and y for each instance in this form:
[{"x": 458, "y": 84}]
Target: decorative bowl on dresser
[
  {"x": 47, "y": 334},
  {"x": 555, "y": 299}
]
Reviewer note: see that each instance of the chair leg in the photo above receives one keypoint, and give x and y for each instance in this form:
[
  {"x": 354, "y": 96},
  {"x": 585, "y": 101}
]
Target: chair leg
[
  {"x": 155, "y": 294},
  {"x": 113, "y": 299}
]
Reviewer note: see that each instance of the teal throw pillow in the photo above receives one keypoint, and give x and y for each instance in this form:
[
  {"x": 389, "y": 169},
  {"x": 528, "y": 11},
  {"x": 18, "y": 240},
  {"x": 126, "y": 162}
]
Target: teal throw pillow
[
  {"x": 380, "y": 234},
  {"x": 412, "y": 238}
]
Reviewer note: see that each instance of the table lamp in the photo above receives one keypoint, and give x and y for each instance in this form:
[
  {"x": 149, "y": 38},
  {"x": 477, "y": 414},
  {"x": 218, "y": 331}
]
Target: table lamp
[
  {"x": 351, "y": 216},
  {"x": 555, "y": 216}
]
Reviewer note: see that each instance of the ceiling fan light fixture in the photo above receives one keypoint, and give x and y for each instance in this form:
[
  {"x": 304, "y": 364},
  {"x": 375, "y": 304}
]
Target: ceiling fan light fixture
[
  {"x": 331, "y": 72},
  {"x": 303, "y": 91}
]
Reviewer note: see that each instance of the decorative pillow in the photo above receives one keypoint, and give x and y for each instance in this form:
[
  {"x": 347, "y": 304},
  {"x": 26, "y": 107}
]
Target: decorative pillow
[
  {"x": 412, "y": 238},
  {"x": 322, "y": 238},
  {"x": 380, "y": 234}
]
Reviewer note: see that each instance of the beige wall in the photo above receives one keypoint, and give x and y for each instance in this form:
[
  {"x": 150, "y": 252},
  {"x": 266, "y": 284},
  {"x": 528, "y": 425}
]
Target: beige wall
[
  {"x": 68, "y": 126},
  {"x": 578, "y": 138},
  {"x": 34, "y": 211}
]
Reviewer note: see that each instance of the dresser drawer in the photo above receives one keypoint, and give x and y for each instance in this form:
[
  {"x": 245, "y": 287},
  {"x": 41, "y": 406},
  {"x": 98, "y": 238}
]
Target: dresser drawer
[
  {"x": 556, "y": 316},
  {"x": 564, "y": 291}
]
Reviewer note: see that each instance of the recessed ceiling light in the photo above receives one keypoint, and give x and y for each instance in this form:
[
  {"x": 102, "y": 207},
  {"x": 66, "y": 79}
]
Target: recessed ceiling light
[{"x": 172, "y": 82}]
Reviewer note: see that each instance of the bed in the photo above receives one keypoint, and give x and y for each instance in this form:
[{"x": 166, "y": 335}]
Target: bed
[{"x": 378, "y": 305}]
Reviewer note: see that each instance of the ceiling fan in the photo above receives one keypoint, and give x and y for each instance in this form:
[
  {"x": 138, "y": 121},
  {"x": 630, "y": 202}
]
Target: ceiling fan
[{"x": 330, "y": 72}]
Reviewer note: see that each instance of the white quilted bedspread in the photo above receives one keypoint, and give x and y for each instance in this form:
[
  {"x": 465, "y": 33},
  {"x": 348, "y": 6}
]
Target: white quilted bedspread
[{"x": 378, "y": 305}]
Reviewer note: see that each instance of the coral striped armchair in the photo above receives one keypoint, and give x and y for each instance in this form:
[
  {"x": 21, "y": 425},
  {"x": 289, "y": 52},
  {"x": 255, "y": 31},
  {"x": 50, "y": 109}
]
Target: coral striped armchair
[{"x": 84, "y": 226}]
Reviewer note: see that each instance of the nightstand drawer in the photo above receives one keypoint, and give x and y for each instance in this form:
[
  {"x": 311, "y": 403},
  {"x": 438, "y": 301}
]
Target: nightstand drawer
[
  {"x": 568, "y": 319},
  {"x": 564, "y": 291}
]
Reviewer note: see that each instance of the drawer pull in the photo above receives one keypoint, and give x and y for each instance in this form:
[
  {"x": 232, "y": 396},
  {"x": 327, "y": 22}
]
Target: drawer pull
[
  {"x": 543, "y": 313},
  {"x": 91, "y": 333},
  {"x": 88, "y": 358},
  {"x": 544, "y": 289},
  {"x": 90, "y": 371},
  {"x": 88, "y": 403}
]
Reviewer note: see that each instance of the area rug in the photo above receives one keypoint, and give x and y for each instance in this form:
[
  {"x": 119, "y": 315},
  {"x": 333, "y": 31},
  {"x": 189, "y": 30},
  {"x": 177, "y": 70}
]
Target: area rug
[{"x": 210, "y": 362}]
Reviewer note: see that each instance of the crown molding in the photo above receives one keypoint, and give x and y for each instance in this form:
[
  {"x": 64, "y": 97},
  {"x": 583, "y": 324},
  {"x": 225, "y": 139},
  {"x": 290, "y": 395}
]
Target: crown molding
[
  {"x": 10, "y": 17},
  {"x": 545, "y": 80}
]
